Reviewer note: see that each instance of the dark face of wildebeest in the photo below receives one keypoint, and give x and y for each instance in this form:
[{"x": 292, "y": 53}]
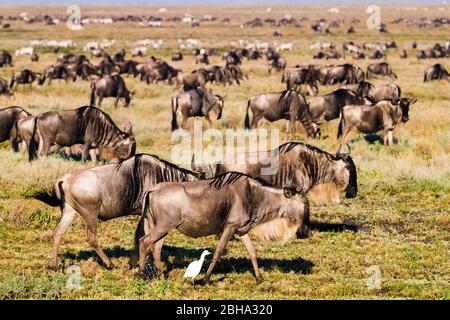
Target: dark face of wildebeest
[
  {"x": 404, "y": 105},
  {"x": 345, "y": 174}
]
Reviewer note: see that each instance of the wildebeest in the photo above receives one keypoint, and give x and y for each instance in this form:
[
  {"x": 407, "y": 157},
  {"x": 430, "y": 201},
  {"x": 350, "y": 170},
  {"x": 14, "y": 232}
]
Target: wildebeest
[
  {"x": 289, "y": 105},
  {"x": 345, "y": 73},
  {"x": 86, "y": 125},
  {"x": 4, "y": 88},
  {"x": 196, "y": 78},
  {"x": 328, "y": 106},
  {"x": 110, "y": 86},
  {"x": 90, "y": 193},
  {"x": 232, "y": 203},
  {"x": 34, "y": 57},
  {"x": 303, "y": 75},
  {"x": 436, "y": 72},
  {"x": 362, "y": 89},
  {"x": 276, "y": 62},
  {"x": 8, "y": 118},
  {"x": 57, "y": 71},
  {"x": 127, "y": 67},
  {"x": 202, "y": 58},
  {"x": 385, "y": 115},
  {"x": 404, "y": 54},
  {"x": 309, "y": 169},
  {"x": 177, "y": 56},
  {"x": 380, "y": 69},
  {"x": 389, "y": 91},
  {"x": 157, "y": 70},
  {"x": 5, "y": 59},
  {"x": 25, "y": 76},
  {"x": 196, "y": 103}
]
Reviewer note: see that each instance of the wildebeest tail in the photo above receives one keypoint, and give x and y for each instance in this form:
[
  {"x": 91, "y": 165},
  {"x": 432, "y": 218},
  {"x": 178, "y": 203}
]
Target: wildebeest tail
[
  {"x": 32, "y": 148},
  {"x": 341, "y": 124},
  {"x": 12, "y": 81},
  {"x": 52, "y": 198},
  {"x": 247, "y": 117},
  {"x": 174, "y": 113},
  {"x": 16, "y": 139},
  {"x": 92, "y": 103}
]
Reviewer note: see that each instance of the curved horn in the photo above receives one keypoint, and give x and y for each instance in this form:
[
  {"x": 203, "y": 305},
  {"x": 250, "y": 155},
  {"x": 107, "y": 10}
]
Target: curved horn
[{"x": 338, "y": 152}]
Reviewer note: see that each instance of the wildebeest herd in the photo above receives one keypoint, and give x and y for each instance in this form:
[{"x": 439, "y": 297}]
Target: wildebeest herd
[{"x": 222, "y": 199}]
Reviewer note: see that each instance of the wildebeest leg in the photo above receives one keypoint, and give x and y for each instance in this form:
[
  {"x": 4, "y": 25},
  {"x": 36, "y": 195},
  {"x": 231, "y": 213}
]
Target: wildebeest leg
[
  {"x": 91, "y": 235},
  {"x": 226, "y": 236},
  {"x": 116, "y": 101},
  {"x": 255, "y": 121},
  {"x": 390, "y": 138},
  {"x": 93, "y": 154},
  {"x": 100, "y": 99},
  {"x": 68, "y": 216},
  {"x": 44, "y": 145},
  {"x": 252, "y": 253},
  {"x": 207, "y": 118},
  {"x": 147, "y": 243},
  {"x": 84, "y": 154},
  {"x": 387, "y": 138},
  {"x": 157, "y": 254},
  {"x": 184, "y": 123}
]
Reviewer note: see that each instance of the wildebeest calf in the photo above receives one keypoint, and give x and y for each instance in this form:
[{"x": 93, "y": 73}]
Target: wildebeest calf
[
  {"x": 110, "y": 86},
  {"x": 232, "y": 203},
  {"x": 385, "y": 115}
]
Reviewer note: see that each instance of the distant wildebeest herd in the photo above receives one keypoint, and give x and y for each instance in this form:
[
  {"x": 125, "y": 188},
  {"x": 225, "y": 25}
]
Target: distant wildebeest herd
[{"x": 219, "y": 199}]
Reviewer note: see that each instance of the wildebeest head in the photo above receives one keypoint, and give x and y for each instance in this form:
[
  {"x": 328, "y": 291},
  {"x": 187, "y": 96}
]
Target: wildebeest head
[
  {"x": 218, "y": 107},
  {"x": 345, "y": 173},
  {"x": 126, "y": 147},
  {"x": 404, "y": 105}
]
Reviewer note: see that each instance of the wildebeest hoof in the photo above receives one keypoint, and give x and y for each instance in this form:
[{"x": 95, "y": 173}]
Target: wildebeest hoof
[
  {"x": 206, "y": 281},
  {"x": 259, "y": 280}
]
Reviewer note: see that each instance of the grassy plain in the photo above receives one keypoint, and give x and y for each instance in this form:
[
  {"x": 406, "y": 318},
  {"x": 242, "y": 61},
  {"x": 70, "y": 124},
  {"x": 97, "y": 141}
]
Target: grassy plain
[{"x": 400, "y": 220}]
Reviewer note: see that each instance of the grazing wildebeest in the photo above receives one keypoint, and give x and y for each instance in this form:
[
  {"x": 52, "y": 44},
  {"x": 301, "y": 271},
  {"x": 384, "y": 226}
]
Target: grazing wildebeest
[
  {"x": 110, "y": 86},
  {"x": 5, "y": 59},
  {"x": 57, "y": 71},
  {"x": 377, "y": 54},
  {"x": 276, "y": 62},
  {"x": 362, "y": 89},
  {"x": 86, "y": 125},
  {"x": 380, "y": 69},
  {"x": 403, "y": 54},
  {"x": 421, "y": 55},
  {"x": 328, "y": 106},
  {"x": 436, "y": 72},
  {"x": 177, "y": 56},
  {"x": 196, "y": 103},
  {"x": 90, "y": 193},
  {"x": 87, "y": 70},
  {"x": 311, "y": 170},
  {"x": 345, "y": 73},
  {"x": 232, "y": 203},
  {"x": 390, "y": 91},
  {"x": 289, "y": 105},
  {"x": 127, "y": 67},
  {"x": 385, "y": 115},
  {"x": 34, "y": 57},
  {"x": 8, "y": 118},
  {"x": 202, "y": 58},
  {"x": 4, "y": 88},
  {"x": 296, "y": 77},
  {"x": 196, "y": 78},
  {"x": 25, "y": 76}
]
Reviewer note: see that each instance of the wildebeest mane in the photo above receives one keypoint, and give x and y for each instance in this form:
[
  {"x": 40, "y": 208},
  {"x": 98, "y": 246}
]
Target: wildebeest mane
[
  {"x": 230, "y": 178},
  {"x": 155, "y": 170},
  {"x": 99, "y": 123}
]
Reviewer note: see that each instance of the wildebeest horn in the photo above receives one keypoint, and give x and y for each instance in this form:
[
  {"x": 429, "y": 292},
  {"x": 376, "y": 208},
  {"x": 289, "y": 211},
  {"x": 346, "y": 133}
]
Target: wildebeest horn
[{"x": 339, "y": 154}]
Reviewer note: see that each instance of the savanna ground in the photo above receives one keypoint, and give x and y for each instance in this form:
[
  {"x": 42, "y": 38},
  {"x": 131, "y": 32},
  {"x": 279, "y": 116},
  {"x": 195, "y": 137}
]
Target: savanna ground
[{"x": 399, "y": 222}]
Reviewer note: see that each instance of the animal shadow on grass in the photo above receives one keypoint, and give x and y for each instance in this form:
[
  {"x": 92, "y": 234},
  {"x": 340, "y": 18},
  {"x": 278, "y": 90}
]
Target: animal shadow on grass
[
  {"x": 373, "y": 138},
  {"x": 183, "y": 256},
  {"x": 334, "y": 227}
]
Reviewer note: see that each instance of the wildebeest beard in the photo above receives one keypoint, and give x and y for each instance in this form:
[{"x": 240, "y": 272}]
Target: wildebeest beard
[
  {"x": 145, "y": 172},
  {"x": 312, "y": 165}
]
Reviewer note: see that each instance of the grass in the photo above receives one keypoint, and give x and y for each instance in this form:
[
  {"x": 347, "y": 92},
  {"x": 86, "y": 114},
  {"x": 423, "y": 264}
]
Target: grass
[{"x": 398, "y": 222}]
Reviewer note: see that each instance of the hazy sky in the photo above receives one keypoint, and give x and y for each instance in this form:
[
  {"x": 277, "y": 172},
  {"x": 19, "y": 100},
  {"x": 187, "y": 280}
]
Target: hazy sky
[{"x": 162, "y": 2}]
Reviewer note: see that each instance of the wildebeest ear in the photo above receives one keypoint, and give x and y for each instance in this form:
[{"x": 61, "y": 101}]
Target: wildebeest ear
[
  {"x": 289, "y": 192},
  {"x": 128, "y": 128}
]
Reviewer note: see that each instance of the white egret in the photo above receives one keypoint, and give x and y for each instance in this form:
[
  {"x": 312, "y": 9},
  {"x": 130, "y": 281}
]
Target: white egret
[{"x": 194, "y": 267}]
